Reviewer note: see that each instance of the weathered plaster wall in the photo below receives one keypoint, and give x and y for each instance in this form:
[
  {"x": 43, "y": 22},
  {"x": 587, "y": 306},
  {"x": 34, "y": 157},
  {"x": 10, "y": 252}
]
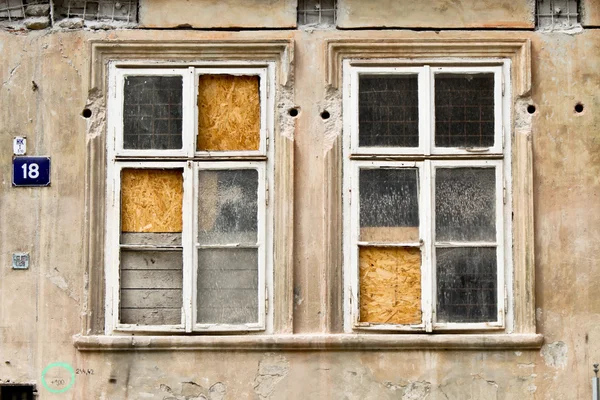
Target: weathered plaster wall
[
  {"x": 40, "y": 309},
  {"x": 436, "y": 14},
  {"x": 218, "y": 13}
]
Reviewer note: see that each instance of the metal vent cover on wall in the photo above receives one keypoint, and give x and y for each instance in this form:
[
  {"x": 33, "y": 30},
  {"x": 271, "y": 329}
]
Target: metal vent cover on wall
[
  {"x": 98, "y": 10},
  {"x": 317, "y": 12},
  {"x": 557, "y": 14},
  {"x": 16, "y": 9}
]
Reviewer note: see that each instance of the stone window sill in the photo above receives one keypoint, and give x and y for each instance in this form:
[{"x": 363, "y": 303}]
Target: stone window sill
[{"x": 311, "y": 342}]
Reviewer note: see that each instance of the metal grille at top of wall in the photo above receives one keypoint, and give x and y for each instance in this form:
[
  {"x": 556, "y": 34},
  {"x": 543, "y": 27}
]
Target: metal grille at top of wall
[
  {"x": 16, "y": 9},
  {"x": 557, "y": 14},
  {"x": 99, "y": 10},
  {"x": 317, "y": 12}
]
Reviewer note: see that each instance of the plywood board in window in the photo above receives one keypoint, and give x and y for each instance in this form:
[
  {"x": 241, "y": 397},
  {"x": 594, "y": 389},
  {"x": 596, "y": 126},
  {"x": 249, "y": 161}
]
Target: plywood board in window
[
  {"x": 389, "y": 234},
  {"x": 390, "y": 285},
  {"x": 228, "y": 113},
  {"x": 151, "y": 200}
]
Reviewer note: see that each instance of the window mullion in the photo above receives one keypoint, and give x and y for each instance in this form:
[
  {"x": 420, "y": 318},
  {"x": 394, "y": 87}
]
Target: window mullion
[
  {"x": 188, "y": 245},
  {"x": 426, "y": 110},
  {"x": 427, "y": 235}
]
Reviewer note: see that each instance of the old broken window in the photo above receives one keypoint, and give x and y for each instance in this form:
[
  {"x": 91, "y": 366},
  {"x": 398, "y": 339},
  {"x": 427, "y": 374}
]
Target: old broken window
[
  {"x": 187, "y": 196},
  {"x": 424, "y": 173}
]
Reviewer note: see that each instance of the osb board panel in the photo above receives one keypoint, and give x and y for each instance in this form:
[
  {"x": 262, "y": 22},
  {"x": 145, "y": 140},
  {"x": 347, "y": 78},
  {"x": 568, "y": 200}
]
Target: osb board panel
[
  {"x": 436, "y": 14},
  {"x": 590, "y": 13},
  {"x": 228, "y": 113},
  {"x": 390, "y": 285},
  {"x": 151, "y": 200},
  {"x": 218, "y": 13},
  {"x": 389, "y": 234}
]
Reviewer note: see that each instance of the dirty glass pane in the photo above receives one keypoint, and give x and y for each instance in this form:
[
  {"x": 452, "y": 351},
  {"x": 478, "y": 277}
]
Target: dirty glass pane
[
  {"x": 227, "y": 286},
  {"x": 228, "y": 205},
  {"x": 467, "y": 284},
  {"x": 151, "y": 287},
  {"x": 389, "y": 206},
  {"x": 388, "y": 108},
  {"x": 464, "y": 110},
  {"x": 152, "y": 112},
  {"x": 228, "y": 113},
  {"x": 465, "y": 204}
]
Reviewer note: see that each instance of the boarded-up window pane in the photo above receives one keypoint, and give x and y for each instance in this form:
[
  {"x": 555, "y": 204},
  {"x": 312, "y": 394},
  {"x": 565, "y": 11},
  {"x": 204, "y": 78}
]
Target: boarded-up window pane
[
  {"x": 228, "y": 113},
  {"x": 389, "y": 207},
  {"x": 151, "y": 287},
  {"x": 151, "y": 200},
  {"x": 388, "y": 111},
  {"x": 227, "y": 286},
  {"x": 466, "y": 284},
  {"x": 465, "y": 204},
  {"x": 152, "y": 112},
  {"x": 464, "y": 110},
  {"x": 228, "y": 206},
  {"x": 390, "y": 285}
]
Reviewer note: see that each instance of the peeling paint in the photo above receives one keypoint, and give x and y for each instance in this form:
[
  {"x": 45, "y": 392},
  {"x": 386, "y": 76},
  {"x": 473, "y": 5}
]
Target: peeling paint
[
  {"x": 418, "y": 390},
  {"x": 334, "y": 124},
  {"x": 555, "y": 354},
  {"x": 271, "y": 370}
]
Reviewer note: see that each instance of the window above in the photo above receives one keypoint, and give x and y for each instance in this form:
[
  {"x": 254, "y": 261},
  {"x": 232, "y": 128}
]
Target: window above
[
  {"x": 426, "y": 110},
  {"x": 426, "y": 221}
]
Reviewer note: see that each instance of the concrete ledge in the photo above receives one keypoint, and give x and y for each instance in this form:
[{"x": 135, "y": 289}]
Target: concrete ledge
[{"x": 311, "y": 342}]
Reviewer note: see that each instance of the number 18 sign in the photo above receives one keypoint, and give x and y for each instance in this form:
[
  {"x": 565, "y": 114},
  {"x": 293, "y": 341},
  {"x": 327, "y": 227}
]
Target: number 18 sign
[{"x": 31, "y": 171}]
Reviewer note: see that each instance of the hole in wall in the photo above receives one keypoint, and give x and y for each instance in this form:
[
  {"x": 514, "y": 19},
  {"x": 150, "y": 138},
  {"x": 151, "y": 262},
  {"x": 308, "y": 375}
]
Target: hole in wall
[
  {"x": 578, "y": 108},
  {"x": 86, "y": 113},
  {"x": 293, "y": 112},
  {"x": 325, "y": 114},
  {"x": 531, "y": 109}
]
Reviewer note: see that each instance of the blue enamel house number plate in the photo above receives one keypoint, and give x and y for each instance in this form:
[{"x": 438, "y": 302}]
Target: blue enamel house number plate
[{"x": 31, "y": 171}]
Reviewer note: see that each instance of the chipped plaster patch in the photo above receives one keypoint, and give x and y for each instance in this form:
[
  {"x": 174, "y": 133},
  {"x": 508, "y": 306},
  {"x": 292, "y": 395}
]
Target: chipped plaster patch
[
  {"x": 555, "y": 354},
  {"x": 271, "y": 370},
  {"x": 334, "y": 124}
]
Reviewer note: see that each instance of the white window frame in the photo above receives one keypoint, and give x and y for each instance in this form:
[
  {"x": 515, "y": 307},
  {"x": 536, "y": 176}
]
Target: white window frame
[
  {"x": 428, "y": 158},
  {"x": 191, "y": 161},
  {"x": 261, "y": 244}
]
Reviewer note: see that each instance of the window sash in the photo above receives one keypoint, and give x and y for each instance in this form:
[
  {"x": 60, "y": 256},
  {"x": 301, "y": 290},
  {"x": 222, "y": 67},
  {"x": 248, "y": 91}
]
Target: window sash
[
  {"x": 497, "y": 148},
  {"x": 261, "y": 243},
  {"x": 264, "y": 89},
  {"x": 115, "y": 111},
  {"x": 113, "y": 247},
  {"x": 426, "y": 101},
  {"x": 190, "y": 76},
  {"x": 500, "y": 211},
  {"x": 189, "y": 246},
  {"x": 427, "y": 243}
]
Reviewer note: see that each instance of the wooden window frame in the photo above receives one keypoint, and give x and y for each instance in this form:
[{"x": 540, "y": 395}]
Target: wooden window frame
[
  {"x": 191, "y": 161},
  {"x": 428, "y": 157}
]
